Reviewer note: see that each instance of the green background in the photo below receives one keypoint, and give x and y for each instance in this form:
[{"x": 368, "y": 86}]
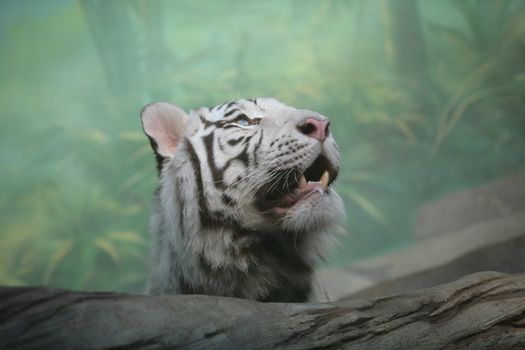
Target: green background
[{"x": 426, "y": 98}]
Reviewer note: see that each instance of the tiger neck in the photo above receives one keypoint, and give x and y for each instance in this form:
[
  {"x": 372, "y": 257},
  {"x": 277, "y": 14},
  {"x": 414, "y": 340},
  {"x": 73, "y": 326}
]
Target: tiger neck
[
  {"x": 214, "y": 254},
  {"x": 237, "y": 247}
]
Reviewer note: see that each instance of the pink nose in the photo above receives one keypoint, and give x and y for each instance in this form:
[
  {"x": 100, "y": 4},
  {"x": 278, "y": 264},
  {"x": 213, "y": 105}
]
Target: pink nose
[{"x": 318, "y": 129}]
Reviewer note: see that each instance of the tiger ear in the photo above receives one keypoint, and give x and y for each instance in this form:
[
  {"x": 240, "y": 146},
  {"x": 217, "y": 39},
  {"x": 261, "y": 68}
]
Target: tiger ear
[{"x": 164, "y": 124}]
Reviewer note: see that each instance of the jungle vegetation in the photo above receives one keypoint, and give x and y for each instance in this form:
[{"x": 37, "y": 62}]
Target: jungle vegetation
[{"x": 426, "y": 98}]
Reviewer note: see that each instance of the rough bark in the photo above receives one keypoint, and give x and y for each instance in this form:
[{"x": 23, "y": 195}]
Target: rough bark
[{"x": 481, "y": 311}]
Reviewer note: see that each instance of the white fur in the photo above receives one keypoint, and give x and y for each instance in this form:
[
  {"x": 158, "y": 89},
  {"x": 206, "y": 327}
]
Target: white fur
[{"x": 218, "y": 260}]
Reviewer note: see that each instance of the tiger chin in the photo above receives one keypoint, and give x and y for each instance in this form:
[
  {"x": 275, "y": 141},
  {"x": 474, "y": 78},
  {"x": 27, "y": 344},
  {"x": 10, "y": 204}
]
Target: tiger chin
[{"x": 245, "y": 206}]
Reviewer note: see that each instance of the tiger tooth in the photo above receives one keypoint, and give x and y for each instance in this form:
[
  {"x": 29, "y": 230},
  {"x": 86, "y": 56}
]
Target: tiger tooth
[
  {"x": 324, "y": 179},
  {"x": 302, "y": 181}
]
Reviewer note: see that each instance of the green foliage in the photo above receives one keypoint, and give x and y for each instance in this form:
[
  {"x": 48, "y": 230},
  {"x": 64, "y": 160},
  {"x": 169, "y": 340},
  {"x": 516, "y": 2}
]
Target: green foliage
[
  {"x": 77, "y": 173},
  {"x": 491, "y": 59}
]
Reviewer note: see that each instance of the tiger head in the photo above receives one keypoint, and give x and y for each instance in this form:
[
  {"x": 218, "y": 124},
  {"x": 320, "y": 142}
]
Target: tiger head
[{"x": 247, "y": 164}]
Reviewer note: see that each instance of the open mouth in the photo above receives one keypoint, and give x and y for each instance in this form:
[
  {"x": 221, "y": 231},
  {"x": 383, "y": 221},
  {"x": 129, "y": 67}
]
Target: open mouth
[{"x": 293, "y": 185}]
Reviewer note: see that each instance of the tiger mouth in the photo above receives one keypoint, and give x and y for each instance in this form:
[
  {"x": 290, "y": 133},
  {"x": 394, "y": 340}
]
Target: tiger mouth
[{"x": 293, "y": 185}]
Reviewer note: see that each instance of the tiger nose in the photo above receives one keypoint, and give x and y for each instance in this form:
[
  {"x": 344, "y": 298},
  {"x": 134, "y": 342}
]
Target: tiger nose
[{"x": 318, "y": 129}]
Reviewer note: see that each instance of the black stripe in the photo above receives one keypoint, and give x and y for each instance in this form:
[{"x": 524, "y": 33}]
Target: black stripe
[
  {"x": 228, "y": 201},
  {"x": 218, "y": 106},
  {"x": 215, "y": 172},
  {"x": 256, "y": 148},
  {"x": 156, "y": 194},
  {"x": 248, "y": 138},
  {"x": 180, "y": 203},
  {"x": 243, "y": 156},
  {"x": 225, "y": 124},
  {"x": 229, "y": 126},
  {"x": 173, "y": 268},
  {"x": 218, "y": 221},
  {"x": 205, "y": 121},
  {"x": 235, "y": 141},
  {"x": 159, "y": 160},
  {"x": 278, "y": 249},
  {"x": 231, "y": 111},
  {"x": 198, "y": 177},
  {"x": 218, "y": 173}
]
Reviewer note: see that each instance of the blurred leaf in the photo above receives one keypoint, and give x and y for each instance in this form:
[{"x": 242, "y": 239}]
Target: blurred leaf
[
  {"x": 126, "y": 236},
  {"x": 364, "y": 204},
  {"x": 130, "y": 135},
  {"x": 56, "y": 259},
  {"x": 97, "y": 136},
  {"x": 85, "y": 277},
  {"x": 130, "y": 210},
  {"x": 108, "y": 248},
  {"x": 10, "y": 281},
  {"x": 454, "y": 35}
]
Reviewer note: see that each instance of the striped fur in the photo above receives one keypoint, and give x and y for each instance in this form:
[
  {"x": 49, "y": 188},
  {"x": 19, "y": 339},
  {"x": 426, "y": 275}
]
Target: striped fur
[{"x": 217, "y": 223}]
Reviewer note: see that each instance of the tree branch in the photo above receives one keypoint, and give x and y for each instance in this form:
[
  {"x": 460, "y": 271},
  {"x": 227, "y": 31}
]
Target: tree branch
[{"x": 481, "y": 311}]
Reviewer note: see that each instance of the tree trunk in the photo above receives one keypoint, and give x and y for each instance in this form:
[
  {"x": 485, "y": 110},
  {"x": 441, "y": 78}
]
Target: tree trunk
[
  {"x": 405, "y": 45},
  {"x": 481, "y": 311}
]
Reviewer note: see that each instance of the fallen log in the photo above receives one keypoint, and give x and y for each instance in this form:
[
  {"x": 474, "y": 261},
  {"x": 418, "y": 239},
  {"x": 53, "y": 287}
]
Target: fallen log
[{"x": 481, "y": 311}]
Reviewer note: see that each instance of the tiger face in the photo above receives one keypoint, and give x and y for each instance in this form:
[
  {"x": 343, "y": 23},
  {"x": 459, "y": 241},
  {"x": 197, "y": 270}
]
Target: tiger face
[
  {"x": 256, "y": 163},
  {"x": 245, "y": 199}
]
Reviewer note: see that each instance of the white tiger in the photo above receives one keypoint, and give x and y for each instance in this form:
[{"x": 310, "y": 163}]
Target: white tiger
[{"x": 245, "y": 202}]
